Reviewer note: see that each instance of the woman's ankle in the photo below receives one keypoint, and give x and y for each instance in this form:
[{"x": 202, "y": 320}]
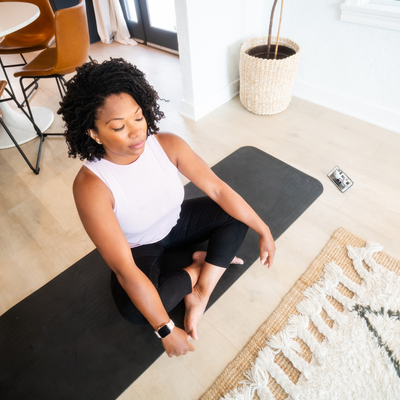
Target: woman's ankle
[
  {"x": 200, "y": 293},
  {"x": 210, "y": 275},
  {"x": 194, "y": 271}
]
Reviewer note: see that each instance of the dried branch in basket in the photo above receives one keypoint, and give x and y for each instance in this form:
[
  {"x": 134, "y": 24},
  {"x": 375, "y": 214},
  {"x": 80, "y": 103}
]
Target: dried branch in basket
[
  {"x": 270, "y": 28},
  {"x": 279, "y": 30}
]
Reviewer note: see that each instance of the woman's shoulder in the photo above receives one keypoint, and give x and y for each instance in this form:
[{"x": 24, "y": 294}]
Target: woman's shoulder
[
  {"x": 170, "y": 142},
  {"x": 172, "y": 145},
  {"x": 87, "y": 182},
  {"x": 166, "y": 138},
  {"x": 83, "y": 178}
]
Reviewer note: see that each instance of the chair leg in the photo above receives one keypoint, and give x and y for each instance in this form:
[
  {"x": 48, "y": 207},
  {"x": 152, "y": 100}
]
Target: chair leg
[
  {"x": 60, "y": 84},
  {"x": 35, "y": 83},
  {"x": 36, "y": 169},
  {"x": 30, "y": 115},
  {"x": 35, "y": 87},
  {"x": 64, "y": 84},
  {"x": 3, "y": 67},
  {"x": 26, "y": 101}
]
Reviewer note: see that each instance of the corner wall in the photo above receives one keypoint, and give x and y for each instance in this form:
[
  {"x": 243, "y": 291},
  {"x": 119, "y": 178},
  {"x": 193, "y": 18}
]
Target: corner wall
[
  {"x": 350, "y": 68},
  {"x": 210, "y": 34}
]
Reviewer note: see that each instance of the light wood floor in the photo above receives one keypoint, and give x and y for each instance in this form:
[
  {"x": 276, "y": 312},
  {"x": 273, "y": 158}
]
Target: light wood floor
[{"x": 41, "y": 234}]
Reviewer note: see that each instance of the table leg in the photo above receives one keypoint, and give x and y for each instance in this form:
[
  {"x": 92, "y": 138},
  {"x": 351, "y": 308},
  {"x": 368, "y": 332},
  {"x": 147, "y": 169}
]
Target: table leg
[{"x": 20, "y": 126}]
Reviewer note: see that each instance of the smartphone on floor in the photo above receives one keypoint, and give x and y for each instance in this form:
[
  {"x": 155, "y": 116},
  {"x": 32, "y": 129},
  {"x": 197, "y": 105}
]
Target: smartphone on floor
[{"x": 340, "y": 179}]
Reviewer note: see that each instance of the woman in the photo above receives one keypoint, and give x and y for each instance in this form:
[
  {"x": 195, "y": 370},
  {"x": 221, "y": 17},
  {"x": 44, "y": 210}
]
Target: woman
[{"x": 130, "y": 199}]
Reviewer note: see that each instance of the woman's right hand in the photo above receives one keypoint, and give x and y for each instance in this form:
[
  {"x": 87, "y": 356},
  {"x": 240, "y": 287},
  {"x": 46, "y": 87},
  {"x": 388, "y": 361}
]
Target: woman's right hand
[{"x": 177, "y": 343}]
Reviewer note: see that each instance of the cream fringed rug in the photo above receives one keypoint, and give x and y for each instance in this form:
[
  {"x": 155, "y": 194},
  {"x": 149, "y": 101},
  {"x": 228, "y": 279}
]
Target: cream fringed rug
[{"x": 335, "y": 335}]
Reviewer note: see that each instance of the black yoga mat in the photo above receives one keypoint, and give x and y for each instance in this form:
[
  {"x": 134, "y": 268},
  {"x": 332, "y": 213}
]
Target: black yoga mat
[{"x": 67, "y": 340}]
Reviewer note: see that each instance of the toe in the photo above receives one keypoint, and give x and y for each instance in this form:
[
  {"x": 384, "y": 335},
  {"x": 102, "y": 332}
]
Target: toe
[
  {"x": 193, "y": 334},
  {"x": 237, "y": 260}
]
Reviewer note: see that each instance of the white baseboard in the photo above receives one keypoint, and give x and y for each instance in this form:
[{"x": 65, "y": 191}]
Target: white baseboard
[
  {"x": 203, "y": 107},
  {"x": 355, "y": 108}
]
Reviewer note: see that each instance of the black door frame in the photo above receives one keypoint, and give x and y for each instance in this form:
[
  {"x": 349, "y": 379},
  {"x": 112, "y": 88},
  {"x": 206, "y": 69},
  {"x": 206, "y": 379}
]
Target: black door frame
[{"x": 144, "y": 32}]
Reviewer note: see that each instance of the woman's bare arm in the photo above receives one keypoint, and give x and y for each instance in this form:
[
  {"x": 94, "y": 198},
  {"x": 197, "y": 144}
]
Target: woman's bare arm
[
  {"x": 94, "y": 202},
  {"x": 198, "y": 172}
]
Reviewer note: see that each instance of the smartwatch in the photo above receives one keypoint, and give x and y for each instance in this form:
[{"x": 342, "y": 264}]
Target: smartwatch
[{"x": 164, "y": 330}]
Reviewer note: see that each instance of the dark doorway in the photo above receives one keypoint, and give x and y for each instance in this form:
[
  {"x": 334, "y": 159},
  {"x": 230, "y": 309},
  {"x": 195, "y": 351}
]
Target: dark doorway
[{"x": 151, "y": 22}]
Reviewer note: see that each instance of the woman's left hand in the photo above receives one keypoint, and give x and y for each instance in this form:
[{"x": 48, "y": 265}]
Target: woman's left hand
[{"x": 267, "y": 249}]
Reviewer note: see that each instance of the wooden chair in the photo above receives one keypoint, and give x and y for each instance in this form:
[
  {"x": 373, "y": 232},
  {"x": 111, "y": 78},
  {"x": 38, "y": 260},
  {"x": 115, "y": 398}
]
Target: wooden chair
[
  {"x": 70, "y": 52},
  {"x": 38, "y": 35}
]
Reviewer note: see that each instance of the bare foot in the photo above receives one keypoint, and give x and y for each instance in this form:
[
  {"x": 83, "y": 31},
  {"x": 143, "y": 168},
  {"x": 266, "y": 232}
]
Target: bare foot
[
  {"x": 195, "y": 304},
  {"x": 200, "y": 256}
]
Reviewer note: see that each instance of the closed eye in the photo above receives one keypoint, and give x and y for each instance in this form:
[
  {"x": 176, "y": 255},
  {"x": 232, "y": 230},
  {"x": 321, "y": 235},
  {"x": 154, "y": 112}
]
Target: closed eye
[
  {"x": 140, "y": 119},
  {"x": 119, "y": 129}
]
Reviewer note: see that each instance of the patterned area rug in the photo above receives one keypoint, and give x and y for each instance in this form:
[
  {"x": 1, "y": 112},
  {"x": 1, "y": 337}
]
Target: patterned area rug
[{"x": 335, "y": 335}]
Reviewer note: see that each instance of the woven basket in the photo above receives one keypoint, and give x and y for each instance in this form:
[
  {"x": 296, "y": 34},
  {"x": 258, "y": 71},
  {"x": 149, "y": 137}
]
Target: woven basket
[{"x": 266, "y": 85}]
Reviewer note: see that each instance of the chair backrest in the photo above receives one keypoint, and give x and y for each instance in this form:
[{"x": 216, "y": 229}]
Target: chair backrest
[
  {"x": 40, "y": 30},
  {"x": 72, "y": 38}
]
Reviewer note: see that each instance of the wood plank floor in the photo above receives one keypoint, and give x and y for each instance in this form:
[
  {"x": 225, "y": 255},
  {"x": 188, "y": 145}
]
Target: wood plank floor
[{"x": 41, "y": 234}]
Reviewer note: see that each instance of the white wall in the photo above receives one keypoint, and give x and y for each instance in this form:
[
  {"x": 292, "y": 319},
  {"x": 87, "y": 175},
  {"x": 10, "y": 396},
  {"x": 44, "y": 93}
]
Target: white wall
[
  {"x": 210, "y": 33},
  {"x": 351, "y": 68}
]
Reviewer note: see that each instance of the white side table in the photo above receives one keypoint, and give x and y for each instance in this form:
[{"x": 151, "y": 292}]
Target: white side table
[{"x": 14, "y": 16}]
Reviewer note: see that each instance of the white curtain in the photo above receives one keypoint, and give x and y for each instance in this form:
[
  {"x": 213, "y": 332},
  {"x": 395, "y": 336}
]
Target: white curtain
[{"x": 110, "y": 22}]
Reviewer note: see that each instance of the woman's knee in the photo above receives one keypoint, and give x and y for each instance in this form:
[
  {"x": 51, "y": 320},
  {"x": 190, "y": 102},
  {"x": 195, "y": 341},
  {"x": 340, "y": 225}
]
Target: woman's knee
[
  {"x": 236, "y": 230},
  {"x": 240, "y": 228}
]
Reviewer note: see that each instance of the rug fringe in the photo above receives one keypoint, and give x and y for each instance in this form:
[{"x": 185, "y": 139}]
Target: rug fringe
[{"x": 314, "y": 302}]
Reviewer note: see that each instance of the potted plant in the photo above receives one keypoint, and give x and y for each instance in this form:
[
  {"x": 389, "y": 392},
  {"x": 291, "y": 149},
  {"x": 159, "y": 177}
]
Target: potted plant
[{"x": 268, "y": 67}]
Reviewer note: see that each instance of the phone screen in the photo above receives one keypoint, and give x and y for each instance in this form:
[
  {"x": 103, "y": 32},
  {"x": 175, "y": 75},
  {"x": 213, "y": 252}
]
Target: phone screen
[{"x": 340, "y": 179}]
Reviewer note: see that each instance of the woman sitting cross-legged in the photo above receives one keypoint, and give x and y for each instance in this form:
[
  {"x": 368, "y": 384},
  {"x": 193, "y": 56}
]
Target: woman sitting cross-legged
[{"x": 129, "y": 196}]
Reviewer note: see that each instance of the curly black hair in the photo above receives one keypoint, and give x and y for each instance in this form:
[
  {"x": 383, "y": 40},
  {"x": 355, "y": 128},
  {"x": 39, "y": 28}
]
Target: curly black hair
[{"x": 86, "y": 94}]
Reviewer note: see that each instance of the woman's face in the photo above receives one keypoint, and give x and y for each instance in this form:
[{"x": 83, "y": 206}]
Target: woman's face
[{"x": 121, "y": 129}]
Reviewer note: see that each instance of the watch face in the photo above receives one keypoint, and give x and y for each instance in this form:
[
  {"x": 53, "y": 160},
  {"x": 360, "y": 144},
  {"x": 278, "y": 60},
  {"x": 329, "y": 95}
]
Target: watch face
[{"x": 164, "y": 331}]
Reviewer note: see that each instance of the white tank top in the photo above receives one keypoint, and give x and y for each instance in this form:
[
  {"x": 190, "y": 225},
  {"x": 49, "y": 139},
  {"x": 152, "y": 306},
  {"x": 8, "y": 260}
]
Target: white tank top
[{"x": 147, "y": 193}]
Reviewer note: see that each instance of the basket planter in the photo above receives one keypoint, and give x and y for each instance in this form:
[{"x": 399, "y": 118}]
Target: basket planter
[{"x": 266, "y": 85}]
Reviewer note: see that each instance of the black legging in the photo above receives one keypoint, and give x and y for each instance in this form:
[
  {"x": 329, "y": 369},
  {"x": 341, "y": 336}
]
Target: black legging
[{"x": 200, "y": 219}]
